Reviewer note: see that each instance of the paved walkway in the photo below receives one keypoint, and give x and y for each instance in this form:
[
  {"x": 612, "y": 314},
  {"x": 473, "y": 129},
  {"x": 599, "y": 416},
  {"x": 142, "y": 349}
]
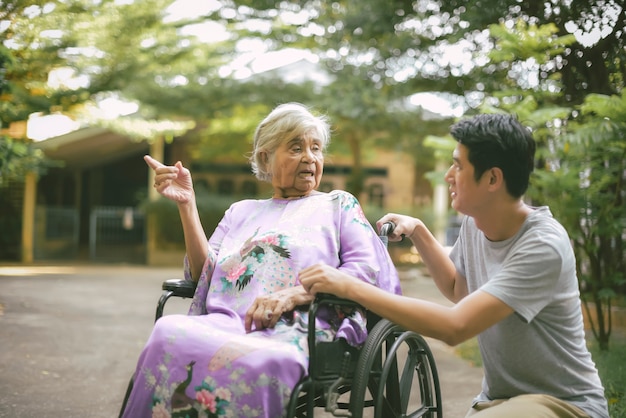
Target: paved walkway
[{"x": 70, "y": 337}]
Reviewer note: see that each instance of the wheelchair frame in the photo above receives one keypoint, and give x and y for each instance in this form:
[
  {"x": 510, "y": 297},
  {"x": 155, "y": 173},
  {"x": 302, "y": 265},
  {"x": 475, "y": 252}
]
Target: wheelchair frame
[{"x": 375, "y": 375}]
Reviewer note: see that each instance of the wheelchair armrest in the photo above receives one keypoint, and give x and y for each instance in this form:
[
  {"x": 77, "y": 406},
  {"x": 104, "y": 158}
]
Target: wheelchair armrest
[
  {"x": 174, "y": 287},
  {"x": 180, "y": 287}
]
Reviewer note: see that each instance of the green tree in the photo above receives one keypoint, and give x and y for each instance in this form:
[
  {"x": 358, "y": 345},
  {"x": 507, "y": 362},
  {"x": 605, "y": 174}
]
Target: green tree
[
  {"x": 584, "y": 182},
  {"x": 17, "y": 158},
  {"x": 592, "y": 64},
  {"x": 390, "y": 50},
  {"x": 426, "y": 45},
  {"x": 133, "y": 49},
  {"x": 365, "y": 111},
  {"x": 56, "y": 56},
  {"x": 582, "y": 159}
]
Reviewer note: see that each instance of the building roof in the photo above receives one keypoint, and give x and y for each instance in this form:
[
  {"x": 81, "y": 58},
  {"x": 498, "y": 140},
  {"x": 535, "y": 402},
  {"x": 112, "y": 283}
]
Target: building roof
[{"x": 89, "y": 147}]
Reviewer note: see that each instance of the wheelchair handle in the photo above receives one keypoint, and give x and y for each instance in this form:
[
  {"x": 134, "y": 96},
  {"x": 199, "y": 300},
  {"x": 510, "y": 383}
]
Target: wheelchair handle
[{"x": 385, "y": 230}]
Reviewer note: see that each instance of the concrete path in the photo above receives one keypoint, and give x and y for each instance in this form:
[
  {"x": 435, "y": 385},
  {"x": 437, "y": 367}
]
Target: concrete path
[{"x": 70, "y": 337}]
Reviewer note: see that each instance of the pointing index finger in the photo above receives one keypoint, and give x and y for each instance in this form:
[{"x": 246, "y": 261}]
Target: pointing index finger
[{"x": 152, "y": 163}]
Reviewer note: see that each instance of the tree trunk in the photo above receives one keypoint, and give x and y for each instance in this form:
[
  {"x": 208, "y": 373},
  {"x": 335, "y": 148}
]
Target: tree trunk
[
  {"x": 356, "y": 179},
  {"x": 603, "y": 327}
]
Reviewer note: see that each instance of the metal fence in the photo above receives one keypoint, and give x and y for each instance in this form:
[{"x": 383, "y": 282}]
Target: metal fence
[
  {"x": 56, "y": 233},
  {"x": 117, "y": 234}
]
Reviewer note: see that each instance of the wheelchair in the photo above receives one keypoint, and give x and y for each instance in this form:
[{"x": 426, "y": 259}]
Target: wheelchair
[{"x": 393, "y": 375}]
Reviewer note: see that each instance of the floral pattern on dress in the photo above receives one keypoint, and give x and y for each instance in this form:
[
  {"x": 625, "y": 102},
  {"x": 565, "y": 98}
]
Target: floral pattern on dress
[
  {"x": 240, "y": 267},
  {"x": 208, "y": 400},
  {"x": 350, "y": 203}
]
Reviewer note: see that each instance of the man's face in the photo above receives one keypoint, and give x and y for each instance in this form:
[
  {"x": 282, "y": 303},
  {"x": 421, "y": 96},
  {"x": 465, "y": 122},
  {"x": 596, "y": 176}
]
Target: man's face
[{"x": 467, "y": 194}]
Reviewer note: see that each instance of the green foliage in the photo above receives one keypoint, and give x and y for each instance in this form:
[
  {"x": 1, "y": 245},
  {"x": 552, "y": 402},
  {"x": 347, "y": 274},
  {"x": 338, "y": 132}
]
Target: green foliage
[
  {"x": 528, "y": 41},
  {"x": 442, "y": 147},
  {"x": 583, "y": 182},
  {"x": 230, "y": 135},
  {"x": 211, "y": 208},
  {"x": 612, "y": 368},
  {"x": 57, "y": 56},
  {"x": 581, "y": 165},
  {"x": 468, "y": 350},
  {"x": 19, "y": 157},
  {"x": 581, "y": 69}
]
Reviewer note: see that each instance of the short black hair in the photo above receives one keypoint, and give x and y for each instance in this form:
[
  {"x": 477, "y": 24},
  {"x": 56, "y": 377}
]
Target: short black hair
[{"x": 498, "y": 140}]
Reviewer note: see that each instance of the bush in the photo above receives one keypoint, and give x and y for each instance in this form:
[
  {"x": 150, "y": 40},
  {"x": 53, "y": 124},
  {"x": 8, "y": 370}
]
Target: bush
[
  {"x": 211, "y": 208},
  {"x": 612, "y": 367}
]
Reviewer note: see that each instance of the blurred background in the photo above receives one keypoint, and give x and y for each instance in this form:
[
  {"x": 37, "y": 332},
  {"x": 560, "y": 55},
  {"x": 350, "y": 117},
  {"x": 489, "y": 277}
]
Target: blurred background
[{"x": 87, "y": 87}]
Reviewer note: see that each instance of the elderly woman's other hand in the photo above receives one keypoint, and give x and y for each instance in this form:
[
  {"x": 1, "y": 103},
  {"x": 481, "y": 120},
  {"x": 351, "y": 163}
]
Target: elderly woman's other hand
[
  {"x": 267, "y": 309},
  {"x": 173, "y": 182}
]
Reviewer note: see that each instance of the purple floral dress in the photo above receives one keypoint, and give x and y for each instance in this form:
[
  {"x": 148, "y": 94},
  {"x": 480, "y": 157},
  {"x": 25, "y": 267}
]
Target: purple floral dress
[{"x": 204, "y": 364}]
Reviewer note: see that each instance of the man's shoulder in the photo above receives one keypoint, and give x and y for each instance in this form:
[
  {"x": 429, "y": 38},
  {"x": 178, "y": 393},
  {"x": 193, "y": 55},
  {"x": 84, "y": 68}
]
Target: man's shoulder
[
  {"x": 542, "y": 230},
  {"x": 541, "y": 220}
]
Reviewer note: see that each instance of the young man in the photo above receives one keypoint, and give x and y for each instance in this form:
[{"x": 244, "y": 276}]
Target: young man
[{"x": 511, "y": 274}]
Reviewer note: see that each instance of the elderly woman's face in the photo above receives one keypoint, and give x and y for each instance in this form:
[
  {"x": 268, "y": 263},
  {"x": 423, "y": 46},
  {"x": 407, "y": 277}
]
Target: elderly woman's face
[{"x": 297, "y": 167}]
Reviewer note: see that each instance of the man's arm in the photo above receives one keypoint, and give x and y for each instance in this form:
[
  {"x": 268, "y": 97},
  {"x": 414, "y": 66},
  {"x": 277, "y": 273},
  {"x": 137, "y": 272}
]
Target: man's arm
[
  {"x": 450, "y": 283},
  {"x": 453, "y": 325}
]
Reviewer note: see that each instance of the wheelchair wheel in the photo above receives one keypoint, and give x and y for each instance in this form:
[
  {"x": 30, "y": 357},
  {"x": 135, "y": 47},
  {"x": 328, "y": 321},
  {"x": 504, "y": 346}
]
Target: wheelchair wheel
[{"x": 397, "y": 373}]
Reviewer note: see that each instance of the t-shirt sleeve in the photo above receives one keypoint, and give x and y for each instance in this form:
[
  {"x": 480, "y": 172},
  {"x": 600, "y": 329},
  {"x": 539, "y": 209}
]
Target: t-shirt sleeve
[{"x": 456, "y": 253}]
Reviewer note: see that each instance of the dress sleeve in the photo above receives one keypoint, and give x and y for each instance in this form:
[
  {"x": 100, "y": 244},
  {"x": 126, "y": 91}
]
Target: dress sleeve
[
  {"x": 362, "y": 252},
  {"x": 198, "y": 303}
]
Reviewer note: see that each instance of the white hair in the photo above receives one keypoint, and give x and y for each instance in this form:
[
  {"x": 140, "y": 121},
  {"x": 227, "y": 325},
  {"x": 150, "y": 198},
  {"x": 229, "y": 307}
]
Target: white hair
[{"x": 285, "y": 122}]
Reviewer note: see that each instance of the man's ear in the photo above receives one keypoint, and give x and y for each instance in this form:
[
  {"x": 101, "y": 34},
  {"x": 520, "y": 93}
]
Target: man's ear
[{"x": 495, "y": 176}]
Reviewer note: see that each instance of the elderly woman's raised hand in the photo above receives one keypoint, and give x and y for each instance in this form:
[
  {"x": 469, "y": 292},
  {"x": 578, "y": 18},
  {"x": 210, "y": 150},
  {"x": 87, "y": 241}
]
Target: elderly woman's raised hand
[{"x": 173, "y": 182}]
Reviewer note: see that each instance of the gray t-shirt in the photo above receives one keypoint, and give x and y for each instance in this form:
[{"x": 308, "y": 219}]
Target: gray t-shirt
[{"x": 540, "y": 349}]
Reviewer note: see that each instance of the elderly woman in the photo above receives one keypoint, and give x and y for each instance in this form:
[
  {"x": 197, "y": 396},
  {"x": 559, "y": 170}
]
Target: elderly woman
[{"x": 243, "y": 346}]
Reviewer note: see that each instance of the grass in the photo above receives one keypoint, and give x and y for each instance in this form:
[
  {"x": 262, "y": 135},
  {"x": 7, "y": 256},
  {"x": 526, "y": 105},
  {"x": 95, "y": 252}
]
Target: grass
[
  {"x": 469, "y": 351},
  {"x": 611, "y": 365}
]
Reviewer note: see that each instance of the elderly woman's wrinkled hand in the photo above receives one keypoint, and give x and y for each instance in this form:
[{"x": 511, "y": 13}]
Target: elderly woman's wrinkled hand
[
  {"x": 267, "y": 309},
  {"x": 173, "y": 182}
]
